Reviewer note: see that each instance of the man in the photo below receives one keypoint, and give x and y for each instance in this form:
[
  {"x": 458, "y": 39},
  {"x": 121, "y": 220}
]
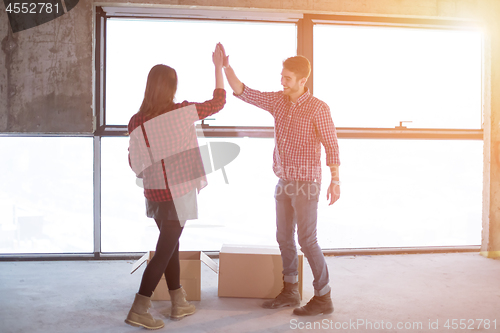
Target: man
[{"x": 301, "y": 124}]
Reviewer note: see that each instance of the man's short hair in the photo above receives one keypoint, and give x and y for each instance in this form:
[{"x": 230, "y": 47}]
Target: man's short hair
[{"x": 299, "y": 65}]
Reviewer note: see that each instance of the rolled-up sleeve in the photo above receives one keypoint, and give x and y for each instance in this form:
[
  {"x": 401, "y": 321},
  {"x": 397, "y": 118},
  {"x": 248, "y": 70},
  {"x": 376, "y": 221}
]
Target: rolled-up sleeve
[
  {"x": 212, "y": 106},
  {"x": 327, "y": 134}
]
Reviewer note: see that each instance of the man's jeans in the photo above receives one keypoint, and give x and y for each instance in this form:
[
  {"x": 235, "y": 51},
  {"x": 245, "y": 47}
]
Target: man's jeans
[{"x": 297, "y": 204}]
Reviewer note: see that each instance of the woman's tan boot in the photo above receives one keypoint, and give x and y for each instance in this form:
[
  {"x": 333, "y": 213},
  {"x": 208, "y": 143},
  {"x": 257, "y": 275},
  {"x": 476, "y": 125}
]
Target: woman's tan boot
[
  {"x": 139, "y": 315},
  {"x": 180, "y": 307}
]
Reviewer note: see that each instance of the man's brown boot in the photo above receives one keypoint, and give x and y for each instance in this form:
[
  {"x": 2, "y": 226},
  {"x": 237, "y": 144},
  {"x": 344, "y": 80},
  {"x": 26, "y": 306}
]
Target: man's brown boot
[
  {"x": 289, "y": 296},
  {"x": 317, "y": 304},
  {"x": 139, "y": 315},
  {"x": 180, "y": 307}
]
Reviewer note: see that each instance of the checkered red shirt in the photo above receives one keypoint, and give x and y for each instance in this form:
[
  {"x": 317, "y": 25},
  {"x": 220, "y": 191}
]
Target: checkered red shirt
[
  {"x": 172, "y": 137},
  {"x": 299, "y": 130}
]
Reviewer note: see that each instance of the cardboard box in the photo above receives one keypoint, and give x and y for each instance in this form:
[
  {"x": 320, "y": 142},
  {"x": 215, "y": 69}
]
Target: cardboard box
[
  {"x": 190, "y": 262},
  {"x": 252, "y": 271}
]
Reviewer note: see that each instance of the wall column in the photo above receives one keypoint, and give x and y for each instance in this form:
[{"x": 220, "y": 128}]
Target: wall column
[{"x": 490, "y": 244}]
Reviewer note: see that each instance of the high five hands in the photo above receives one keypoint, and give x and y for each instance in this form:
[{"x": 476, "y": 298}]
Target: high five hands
[{"x": 226, "y": 58}]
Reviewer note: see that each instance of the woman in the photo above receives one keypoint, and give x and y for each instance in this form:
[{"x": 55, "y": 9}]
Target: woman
[{"x": 170, "y": 166}]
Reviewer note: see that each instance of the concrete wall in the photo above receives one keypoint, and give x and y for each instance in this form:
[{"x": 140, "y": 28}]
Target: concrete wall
[
  {"x": 490, "y": 245},
  {"x": 46, "y": 72},
  {"x": 46, "y": 75}
]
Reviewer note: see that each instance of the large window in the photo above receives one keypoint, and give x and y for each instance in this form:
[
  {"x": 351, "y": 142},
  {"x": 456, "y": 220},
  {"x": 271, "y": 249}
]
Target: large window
[
  {"x": 239, "y": 212},
  {"x": 59, "y": 195},
  {"x": 256, "y": 51},
  {"x": 395, "y": 192},
  {"x": 379, "y": 76},
  {"x": 405, "y": 193}
]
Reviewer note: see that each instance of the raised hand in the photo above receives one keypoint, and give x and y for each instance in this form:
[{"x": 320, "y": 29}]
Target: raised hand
[
  {"x": 218, "y": 56},
  {"x": 218, "y": 59},
  {"x": 234, "y": 82},
  {"x": 226, "y": 58}
]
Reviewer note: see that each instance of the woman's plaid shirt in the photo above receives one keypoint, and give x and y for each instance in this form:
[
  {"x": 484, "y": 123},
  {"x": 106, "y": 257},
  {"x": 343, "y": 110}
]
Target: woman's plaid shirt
[
  {"x": 160, "y": 136},
  {"x": 299, "y": 130}
]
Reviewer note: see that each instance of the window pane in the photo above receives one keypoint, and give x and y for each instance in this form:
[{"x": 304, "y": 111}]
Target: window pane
[
  {"x": 135, "y": 46},
  {"x": 124, "y": 225},
  {"x": 395, "y": 193},
  {"x": 243, "y": 211},
  {"x": 377, "y": 77},
  {"x": 46, "y": 197},
  {"x": 239, "y": 212},
  {"x": 404, "y": 193}
]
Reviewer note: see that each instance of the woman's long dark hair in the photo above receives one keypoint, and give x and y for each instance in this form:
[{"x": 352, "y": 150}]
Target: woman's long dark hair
[{"x": 160, "y": 91}]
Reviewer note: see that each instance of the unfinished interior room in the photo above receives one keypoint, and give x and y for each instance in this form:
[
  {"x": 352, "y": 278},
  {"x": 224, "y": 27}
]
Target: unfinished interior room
[{"x": 159, "y": 139}]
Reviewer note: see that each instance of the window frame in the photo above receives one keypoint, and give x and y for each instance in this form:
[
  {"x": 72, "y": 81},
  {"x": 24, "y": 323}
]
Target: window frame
[{"x": 305, "y": 26}]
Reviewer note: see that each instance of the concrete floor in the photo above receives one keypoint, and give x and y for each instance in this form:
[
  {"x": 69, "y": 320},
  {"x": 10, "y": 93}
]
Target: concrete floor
[{"x": 381, "y": 291}]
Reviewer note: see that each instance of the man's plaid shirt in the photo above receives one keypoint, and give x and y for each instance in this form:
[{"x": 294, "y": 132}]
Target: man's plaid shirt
[
  {"x": 171, "y": 136},
  {"x": 299, "y": 130}
]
